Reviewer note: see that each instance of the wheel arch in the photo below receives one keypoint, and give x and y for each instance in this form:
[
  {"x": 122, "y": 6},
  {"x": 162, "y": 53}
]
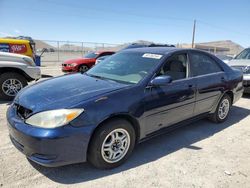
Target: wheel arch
[
  {"x": 15, "y": 70},
  {"x": 231, "y": 95},
  {"x": 83, "y": 64},
  {"x": 126, "y": 117}
]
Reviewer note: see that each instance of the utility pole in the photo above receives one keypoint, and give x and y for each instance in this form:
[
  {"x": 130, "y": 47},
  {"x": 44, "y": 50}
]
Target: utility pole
[{"x": 194, "y": 27}]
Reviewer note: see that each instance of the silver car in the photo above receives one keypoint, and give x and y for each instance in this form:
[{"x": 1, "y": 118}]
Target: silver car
[{"x": 242, "y": 62}]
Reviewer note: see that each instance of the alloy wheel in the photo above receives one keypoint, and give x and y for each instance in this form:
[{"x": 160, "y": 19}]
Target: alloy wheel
[
  {"x": 11, "y": 87},
  {"x": 115, "y": 145},
  {"x": 224, "y": 108},
  {"x": 83, "y": 68}
]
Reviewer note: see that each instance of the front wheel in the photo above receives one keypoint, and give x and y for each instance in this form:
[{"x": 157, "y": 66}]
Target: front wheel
[
  {"x": 112, "y": 144},
  {"x": 11, "y": 83},
  {"x": 222, "y": 110},
  {"x": 83, "y": 68}
]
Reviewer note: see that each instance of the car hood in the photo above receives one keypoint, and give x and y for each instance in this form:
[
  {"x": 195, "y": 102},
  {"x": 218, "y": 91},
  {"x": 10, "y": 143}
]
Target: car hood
[
  {"x": 79, "y": 60},
  {"x": 64, "y": 92},
  {"x": 239, "y": 62}
]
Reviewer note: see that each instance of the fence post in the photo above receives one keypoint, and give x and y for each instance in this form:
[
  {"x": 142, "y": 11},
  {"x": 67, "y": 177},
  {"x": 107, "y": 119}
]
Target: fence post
[
  {"x": 82, "y": 49},
  {"x": 58, "y": 55}
]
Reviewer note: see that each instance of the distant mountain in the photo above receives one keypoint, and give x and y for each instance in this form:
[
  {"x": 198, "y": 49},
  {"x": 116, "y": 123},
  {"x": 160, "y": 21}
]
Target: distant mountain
[
  {"x": 72, "y": 47},
  {"x": 41, "y": 44},
  {"x": 230, "y": 47},
  {"x": 234, "y": 47}
]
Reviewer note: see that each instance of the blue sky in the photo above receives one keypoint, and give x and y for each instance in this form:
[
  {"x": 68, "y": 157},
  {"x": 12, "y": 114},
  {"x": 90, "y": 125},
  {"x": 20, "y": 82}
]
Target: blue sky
[{"x": 114, "y": 21}]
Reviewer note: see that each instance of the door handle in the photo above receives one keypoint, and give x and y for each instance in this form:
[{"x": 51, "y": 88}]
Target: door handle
[
  {"x": 223, "y": 79},
  {"x": 191, "y": 86}
]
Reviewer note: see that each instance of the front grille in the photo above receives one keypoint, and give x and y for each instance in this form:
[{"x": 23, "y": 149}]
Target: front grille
[
  {"x": 246, "y": 83},
  {"x": 22, "y": 112}
]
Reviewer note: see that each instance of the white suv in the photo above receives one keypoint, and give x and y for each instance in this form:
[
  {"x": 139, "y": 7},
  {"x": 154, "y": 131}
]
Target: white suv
[
  {"x": 15, "y": 73},
  {"x": 242, "y": 62}
]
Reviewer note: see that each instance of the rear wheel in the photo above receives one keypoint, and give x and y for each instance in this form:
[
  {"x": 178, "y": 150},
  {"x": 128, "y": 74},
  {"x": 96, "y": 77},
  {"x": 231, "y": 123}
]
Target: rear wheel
[
  {"x": 222, "y": 111},
  {"x": 11, "y": 83},
  {"x": 112, "y": 144},
  {"x": 83, "y": 68}
]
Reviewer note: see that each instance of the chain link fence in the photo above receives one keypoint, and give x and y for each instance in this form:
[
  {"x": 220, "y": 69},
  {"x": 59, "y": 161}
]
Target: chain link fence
[{"x": 59, "y": 51}]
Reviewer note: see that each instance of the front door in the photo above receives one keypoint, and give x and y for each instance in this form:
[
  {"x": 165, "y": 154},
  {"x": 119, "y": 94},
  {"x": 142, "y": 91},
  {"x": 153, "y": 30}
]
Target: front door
[{"x": 167, "y": 105}]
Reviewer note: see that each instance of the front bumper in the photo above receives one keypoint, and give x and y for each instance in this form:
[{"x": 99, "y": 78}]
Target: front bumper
[
  {"x": 66, "y": 68},
  {"x": 49, "y": 147},
  {"x": 33, "y": 72},
  {"x": 246, "y": 83}
]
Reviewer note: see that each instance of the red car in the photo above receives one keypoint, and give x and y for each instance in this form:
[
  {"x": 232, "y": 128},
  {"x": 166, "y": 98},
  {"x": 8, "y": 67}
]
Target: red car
[{"x": 85, "y": 63}]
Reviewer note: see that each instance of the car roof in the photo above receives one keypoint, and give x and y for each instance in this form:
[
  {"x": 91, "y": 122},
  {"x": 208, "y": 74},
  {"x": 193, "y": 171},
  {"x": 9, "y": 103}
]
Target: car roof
[
  {"x": 164, "y": 50},
  {"x": 14, "y": 41},
  {"x": 104, "y": 51},
  {"x": 159, "y": 50}
]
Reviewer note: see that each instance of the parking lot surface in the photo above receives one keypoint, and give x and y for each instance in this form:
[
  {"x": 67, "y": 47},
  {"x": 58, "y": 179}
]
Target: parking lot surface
[{"x": 202, "y": 154}]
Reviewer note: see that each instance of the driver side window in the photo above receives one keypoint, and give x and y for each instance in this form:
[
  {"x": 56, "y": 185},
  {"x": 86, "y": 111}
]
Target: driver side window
[{"x": 175, "y": 66}]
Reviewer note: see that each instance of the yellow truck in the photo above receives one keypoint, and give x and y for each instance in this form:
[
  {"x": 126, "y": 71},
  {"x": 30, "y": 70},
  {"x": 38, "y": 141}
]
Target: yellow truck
[{"x": 18, "y": 46}]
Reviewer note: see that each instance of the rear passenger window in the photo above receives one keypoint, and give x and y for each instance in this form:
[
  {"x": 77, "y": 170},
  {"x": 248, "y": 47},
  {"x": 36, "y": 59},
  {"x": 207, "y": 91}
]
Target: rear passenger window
[{"x": 202, "y": 64}]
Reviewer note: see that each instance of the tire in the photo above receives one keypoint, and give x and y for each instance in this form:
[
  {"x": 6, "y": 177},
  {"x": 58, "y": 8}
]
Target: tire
[
  {"x": 100, "y": 152},
  {"x": 8, "y": 79},
  {"x": 83, "y": 68},
  {"x": 218, "y": 116}
]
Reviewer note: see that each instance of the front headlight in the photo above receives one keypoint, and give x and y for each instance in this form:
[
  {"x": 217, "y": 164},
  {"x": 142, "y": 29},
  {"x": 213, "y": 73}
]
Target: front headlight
[
  {"x": 72, "y": 64},
  {"x": 53, "y": 118},
  {"x": 29, "y": 61}
]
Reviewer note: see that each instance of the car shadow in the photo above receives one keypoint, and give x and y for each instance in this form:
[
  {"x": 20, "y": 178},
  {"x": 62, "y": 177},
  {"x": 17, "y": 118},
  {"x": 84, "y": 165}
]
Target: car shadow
[
  {"x": 6, "y": 102},
  {"x": 147, "y": 151},
  {"x": 246, "y": 95},
  {"x": 46, "y": 76}
]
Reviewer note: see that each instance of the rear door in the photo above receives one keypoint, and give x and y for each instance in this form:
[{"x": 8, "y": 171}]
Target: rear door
[{"x": 210, "y": 81}]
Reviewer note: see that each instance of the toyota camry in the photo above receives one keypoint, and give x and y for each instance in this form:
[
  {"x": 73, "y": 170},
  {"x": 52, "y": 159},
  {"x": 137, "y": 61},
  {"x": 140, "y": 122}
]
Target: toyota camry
[{"x": 99, "y": 116}]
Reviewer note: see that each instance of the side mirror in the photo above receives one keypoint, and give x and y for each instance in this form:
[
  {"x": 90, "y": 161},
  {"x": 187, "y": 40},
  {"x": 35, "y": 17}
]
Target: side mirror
[{"x": 161, "y": 80}]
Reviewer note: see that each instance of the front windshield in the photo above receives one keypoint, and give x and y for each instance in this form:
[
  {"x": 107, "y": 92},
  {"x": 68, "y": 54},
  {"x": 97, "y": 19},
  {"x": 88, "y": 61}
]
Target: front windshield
[
  {"x": 91, "y": 55},
  {"x": 126, "y": 67},
  {"x": 245, "y": 54}
]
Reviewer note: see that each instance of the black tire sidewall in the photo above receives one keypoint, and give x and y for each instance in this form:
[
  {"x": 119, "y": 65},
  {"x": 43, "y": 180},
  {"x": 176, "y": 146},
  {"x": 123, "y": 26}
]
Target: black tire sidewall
[
  {"x": 9, "y": 75},
  {"x": 95, "y": 156},
  {"x": 79, "y": 69}
]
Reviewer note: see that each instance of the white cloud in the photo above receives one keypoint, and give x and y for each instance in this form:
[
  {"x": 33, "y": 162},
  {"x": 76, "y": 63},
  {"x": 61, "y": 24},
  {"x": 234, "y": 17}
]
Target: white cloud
[
  {"x": 17, "y": 31},
  {"x": 5, "y": 34}
]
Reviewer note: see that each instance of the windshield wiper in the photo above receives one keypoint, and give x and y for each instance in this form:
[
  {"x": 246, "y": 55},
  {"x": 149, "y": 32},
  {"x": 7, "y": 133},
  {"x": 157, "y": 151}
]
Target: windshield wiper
[
  {"x": 108, "y": 79},
  {"x": 95, "y": 76}
]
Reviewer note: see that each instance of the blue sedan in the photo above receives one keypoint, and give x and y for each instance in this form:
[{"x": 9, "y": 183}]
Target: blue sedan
[{"x": 99, "y": 116}]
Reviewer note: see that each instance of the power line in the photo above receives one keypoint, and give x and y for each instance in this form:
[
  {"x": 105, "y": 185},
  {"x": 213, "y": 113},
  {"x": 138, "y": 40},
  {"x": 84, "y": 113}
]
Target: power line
[
  {"x": 76, "y": 14},
  {"x": 228, "y": 30},
  {"x": 113, "y": 11}
]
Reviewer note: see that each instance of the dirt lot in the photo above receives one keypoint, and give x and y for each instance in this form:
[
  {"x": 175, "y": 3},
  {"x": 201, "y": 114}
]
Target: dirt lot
[{"x": 202, "y": 154}]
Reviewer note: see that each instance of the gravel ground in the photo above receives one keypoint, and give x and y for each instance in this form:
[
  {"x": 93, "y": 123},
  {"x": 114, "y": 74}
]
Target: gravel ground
[{"x": 202, "y": 154}]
